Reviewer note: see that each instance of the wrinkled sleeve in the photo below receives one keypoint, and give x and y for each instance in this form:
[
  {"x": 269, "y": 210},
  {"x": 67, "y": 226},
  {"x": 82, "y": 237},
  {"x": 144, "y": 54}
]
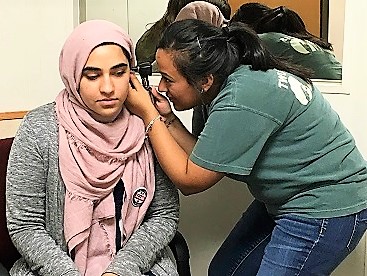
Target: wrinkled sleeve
[
  {"x": 235, "y": 153},
  {"x": 160, "y": 224}
]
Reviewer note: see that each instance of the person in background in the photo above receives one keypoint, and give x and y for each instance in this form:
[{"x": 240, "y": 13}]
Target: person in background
[
  {"x": 250, "y": 13},
  {"x": 284, "y": 33},
  {"x": 84, "y": 194},
  {"x": 202, "y": 10},
  {"x": 147, "y": 43},
  {"x": 268, "y": 127}
]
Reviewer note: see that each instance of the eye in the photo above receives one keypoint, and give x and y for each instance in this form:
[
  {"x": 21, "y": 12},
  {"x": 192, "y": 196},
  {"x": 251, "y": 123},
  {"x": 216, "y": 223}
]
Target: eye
[
  {"x": 119, "y": 73},
  {"x": 91, "y": 76},
  {"x": 166, "y": 80}
]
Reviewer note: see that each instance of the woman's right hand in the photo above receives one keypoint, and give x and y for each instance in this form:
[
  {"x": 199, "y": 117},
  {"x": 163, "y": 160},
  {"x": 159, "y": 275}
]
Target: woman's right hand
[
  {"x": 147, "y": 104},
  {"x": 139, "y": 100},
  {"x": 161, "y": 103}
]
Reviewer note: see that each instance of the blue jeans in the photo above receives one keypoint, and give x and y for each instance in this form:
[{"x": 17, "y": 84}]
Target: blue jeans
[{"x": 285, "y": 245}]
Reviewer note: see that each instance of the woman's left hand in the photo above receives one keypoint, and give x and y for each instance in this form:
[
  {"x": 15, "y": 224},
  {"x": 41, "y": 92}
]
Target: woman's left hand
[{"x": 139, "y": 100}]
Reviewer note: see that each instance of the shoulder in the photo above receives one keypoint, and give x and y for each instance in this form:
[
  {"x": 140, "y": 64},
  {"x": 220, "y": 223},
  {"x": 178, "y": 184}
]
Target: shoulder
[
  {"x": 270, "y": 93},
  {"x": 43, "y": 114},
  {"x": 246, "y": 79},
  {"x": 247, "y": 89},
  {"x": 271, "y": 36},
  {"x": 40, "y": 122},
  {"x": 37, "y": 135}
]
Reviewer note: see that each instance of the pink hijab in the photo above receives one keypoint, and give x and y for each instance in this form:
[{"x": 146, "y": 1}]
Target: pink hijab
[
  {"x": 94, "y": 156},
  {"x": 203, "y": 11}
]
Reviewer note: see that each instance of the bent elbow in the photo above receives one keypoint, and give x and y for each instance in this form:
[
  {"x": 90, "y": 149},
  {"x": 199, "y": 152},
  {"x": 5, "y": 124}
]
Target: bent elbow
[{"x": 187, "y": 190}]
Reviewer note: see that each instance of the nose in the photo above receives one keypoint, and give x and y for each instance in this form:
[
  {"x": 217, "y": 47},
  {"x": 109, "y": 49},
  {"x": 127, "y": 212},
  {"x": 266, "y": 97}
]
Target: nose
[
  {"x": 162, "y": 86},
  {"x": 107, "y": 85}
]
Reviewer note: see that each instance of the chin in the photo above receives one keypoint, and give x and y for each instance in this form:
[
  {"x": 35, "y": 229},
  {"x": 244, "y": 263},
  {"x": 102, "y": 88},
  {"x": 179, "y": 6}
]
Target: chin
[
  {"x": 105, "y": 118},
  {"x": 181, "y": 108}
]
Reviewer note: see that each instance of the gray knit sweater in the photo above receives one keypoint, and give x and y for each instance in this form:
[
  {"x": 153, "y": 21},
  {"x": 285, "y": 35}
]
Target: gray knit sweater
[{"x": 35, "y": 199}]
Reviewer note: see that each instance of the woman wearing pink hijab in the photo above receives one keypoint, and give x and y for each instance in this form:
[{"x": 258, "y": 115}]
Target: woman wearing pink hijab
[
  {"x": 203, "y": 11},
  {"x": 84, "y": 193}
]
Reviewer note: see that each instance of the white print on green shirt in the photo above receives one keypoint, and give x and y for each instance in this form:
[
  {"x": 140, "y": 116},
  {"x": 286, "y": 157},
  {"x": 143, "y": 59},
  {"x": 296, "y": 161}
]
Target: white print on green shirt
[
  {"x": 301, "y": 46},
  {"x": 302, "y": 91}
]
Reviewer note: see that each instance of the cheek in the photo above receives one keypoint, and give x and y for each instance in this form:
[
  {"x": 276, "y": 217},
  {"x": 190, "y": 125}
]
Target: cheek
[
  {"x": 86, "y": 90},
  {"x": 190, "y": 93},
  {"x": 123, "y": 86}
]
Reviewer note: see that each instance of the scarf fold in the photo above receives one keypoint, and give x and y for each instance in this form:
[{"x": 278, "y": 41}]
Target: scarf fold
[
  {"x": 202, "y": 10},
  {"x": 94, "y": 156}
]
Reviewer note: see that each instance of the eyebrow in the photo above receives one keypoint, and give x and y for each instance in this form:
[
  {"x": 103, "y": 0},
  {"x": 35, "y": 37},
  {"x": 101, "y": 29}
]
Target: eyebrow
[{"x": 91, "y": 68}]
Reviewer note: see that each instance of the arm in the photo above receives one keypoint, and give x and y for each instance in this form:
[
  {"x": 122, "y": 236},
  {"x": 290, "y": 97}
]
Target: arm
[
  {"x": 26, "y": 202},
  {"x": 185, "y": 174},
  {"x": 179, "y": 132},
  {"x": 157, "y": 230}
]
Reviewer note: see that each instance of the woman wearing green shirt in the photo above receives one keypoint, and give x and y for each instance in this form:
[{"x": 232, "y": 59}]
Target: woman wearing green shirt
[
  {"x": 284, "y": 33},
  {"x": 270, "y": 128}
]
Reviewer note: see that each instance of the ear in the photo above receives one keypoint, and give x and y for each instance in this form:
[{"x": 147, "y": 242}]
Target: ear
[{"x": 207, "y": 82}]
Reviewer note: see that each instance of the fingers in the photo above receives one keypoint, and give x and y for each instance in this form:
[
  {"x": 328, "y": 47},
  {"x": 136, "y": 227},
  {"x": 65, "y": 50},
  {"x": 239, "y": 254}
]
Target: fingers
[
  {"x": 156, "y": 94},
  {"x": 134, "y": 82}
]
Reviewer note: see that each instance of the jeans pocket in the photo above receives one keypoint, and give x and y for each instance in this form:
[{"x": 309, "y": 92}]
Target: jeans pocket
[{"x": 360, "y": 226}]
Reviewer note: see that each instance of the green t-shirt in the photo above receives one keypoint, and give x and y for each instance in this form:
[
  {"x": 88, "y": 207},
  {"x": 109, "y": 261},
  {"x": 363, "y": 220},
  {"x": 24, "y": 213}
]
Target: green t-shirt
[
  {"x": 306, "y": 53},
  {"x": 278, "y": 134}
]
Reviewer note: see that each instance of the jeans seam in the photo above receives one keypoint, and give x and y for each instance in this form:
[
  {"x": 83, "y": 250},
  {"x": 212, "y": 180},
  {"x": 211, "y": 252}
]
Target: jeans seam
[
  {"x": 352, "y": 235},
  {"x": 322, "y": 228},
  {"x": 243, "y": 259}
]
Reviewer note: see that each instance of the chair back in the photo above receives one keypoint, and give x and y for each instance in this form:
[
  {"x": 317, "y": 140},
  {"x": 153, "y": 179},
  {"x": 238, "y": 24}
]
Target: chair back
[{"x": 8, "y": 253}]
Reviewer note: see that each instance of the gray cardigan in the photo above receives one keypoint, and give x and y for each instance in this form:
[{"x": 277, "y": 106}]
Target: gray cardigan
[{"x": 35, "y": 199}]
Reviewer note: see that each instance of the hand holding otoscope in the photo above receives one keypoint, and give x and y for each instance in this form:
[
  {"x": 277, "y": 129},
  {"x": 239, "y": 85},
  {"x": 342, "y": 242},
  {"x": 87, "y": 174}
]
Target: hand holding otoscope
[
  {"x": 144, "y": 69},
  {"x": 159, "y": 101}
]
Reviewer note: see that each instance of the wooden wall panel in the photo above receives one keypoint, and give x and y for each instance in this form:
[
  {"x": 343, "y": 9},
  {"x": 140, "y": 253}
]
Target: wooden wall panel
[{"x": 309, "y": 10}]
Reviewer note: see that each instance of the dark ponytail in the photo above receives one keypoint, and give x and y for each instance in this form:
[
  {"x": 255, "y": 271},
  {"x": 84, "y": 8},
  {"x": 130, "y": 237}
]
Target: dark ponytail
[
  {"x": 254, "y": 53},
  {"x": 200, "y": 49},
  {"x": 286, "y": 21}
]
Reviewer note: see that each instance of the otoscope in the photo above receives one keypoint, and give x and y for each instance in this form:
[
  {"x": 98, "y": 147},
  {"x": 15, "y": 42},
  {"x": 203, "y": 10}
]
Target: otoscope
[{"x": 144, "y": 69}]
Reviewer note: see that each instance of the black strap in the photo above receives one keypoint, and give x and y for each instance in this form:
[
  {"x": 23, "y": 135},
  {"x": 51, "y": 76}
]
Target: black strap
[{"x": 118, "y": 194}]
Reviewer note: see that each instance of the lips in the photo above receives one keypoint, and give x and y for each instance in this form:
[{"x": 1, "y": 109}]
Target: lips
[{"x": 108, "y": 102}]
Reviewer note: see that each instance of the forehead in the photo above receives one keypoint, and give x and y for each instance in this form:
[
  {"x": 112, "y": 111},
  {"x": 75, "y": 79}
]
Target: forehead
[
  {"x": 166, "y": 63},
  {"x": 107, "y": 53}
]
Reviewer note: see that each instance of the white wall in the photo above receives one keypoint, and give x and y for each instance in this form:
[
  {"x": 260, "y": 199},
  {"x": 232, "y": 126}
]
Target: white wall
[
  {"x": 135, "y": 16},
  {"x": 33, "y": 36},
  {"x": 352, "y": 108},
  {"x": 336, "y": 27}
]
